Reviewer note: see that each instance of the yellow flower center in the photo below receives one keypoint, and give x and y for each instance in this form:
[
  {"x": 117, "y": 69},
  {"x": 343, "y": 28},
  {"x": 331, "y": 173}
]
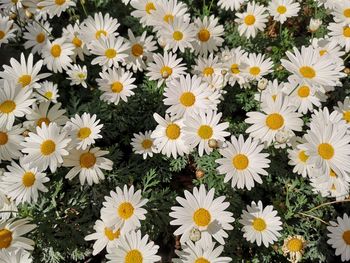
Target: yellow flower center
[
  {"x": 137, "y": 50},
  {"x": 201, "y": 260},
  {"x": 149, "y": 7},
  {"x": 81, "y": 76},
  {"x": 56, "y": 51},
  {"x": 40, "y": 38},
  {"x": 274, "y": 121},
  {"x": 5, "y": 238},
  {"x": 208, "y": 71},
  {"x": 347, "y": 12},
  {"x": 322, "y": 52},
  {"x": 87, "y": 160},
  {"x": 166, "y": 71},
  {"x": 346, "y": 31},
  {"x": 205, "y": 132},
  {"x": 146, "y": 144},
  {"x": 240, "y": 161},
  {"x": 307, "y": 72},
  {"x": 125, "y": 210},
  {"x": 201, "y": 217},
  {"x": 25, "y": 80},
  {"x": 48, "y": 95},
  {"x": 28, "y": 179},
  {"x": 133, "y": 256},
  {"x": 177, "y": 35},
  {"x": 326, "y": 151},
  {"x": 281, "y": 9},
  {"x": 117, "y": 87},
  {"x": 332, "y": 174},
  {"x": 47, "y": 147},
  {"x": 173, "y": 131},
  {"x": 303, "y": 157},
  {"x": 77, "y": 42},
  {"x": 168, "y": 18},
  {"x": 259, "y": 224},
  {"x": 255, "y": 71},
  {"x": 204, "y": 35},
  {"x": 235, "y": 69},
  {"x": 295, "y": 245},
  {"x": 346, "y": 116},
  {"x": 346, "y": 237},
  {"x": 60, "y": 2},
  {"x": 110, "y": 53},
  {"x": 7, "y": 106},
  {"x": 83, "y": 133},
  {"x": 110, "y": 234},
  {"x": 304, "y": 92},
  {"x": 187, "y": 99},
  {"x": 43, "y": 120},
  {"x": 2, "y": 34},
  {"x": 3, "y": 138},
  {"x": 99, "y": 33},
  {"x": 249, "y": 20}
]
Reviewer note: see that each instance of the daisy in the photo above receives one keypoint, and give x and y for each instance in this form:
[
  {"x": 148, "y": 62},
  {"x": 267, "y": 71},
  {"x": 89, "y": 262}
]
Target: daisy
[
  {"x": 116, "y": 84},
  {"x": 56, "y": 55},
  {"x": 258, "y": 66},
  {"x": 46, "y": 147},
  {"x": 22, "y": 184},
  {"x": 77, "y": 75},
  {"x": 202, "y": 211},
  {"x": 89, "y": 164},
  {"x": 330, "y": 48},
  {"x": 72, "y": 34},
  {"x": 105, "y": 237},
  {"x": 207, "y": 66},
  {"x": 14, "y": 102},
  {"x": 341, "y": 12},
  {"x": 142, "y": 143},
  {"x": 7, "y": 30},
  {"x": 261, "y": 225},
  {"x": 83, "y": 130},
  {"x": 55, "y": 7},
  {"x": 273, "y": 89},
  {"x": 276, "y": 116},
  {"x": 340, "y": 33},
  {"x": 208, "y": 37},
  {"x": 10, "y": 140},
  {"x": 281, "y": 10},
  {"x": 300, "y": 160},
  {"x": 344, "y": 109},
  {"x": 232, "y": 5},
  {"x": 339, "y": 236},
  {"x": 36, "y": 36},
  {"x": 165, "y": 68},
  {"x": 251, "y": 21},
  {"x": 133, "y": 248},
  {"x": 24, "y": 73},
  {"x": 47, "y": 92},
  {"x": 8, "y": 208},
  {"x": 144, "y": 10},
  {"x": 123, "y": 209},
  {"x": 10, "y": 5},
  {"x": 200, "y": 128},
  {"x": 12, "y": 234},
  {"x": 168, "y": 136},
  {"x": 294, "y": 246},
  {"x": 236, "y": 64},
  {"x": 243, "y": 162},
  {"x": 18, "y": 256}
]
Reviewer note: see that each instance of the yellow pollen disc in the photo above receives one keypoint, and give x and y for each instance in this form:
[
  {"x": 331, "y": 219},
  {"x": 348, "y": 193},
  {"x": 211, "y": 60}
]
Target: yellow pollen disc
[
  {"x": 146, "y": 144},
  {"x": 48, "y": 95},
  {"x": 259, "y": 224},
  {"x": 5, "y": 238},
  {"x": 3, "y": 138},
  {"x": 347, "y": 12},
  {"x": 323, "y": 52},
  {"x": 7, "y": 106},
  {"x": 303, "y": 157},
  {"x": 201, "y": 260},
  {"x": 249, "y": 20},
  {"x": 125, "y": 210},
  {"x": 47, "y": 147},
  {"x": 112, "y": 235},
  {"x": 173, "y": 131},
  {"x": 346, "y": 116},
  {"x": 166, "y": 71},
  {"x": 2, "y": 34},
  {"x": 83, "y": 133},
  {"x": 43, "y": 120},
  {"x": 28, "y": 179},
  {"x": 202, "y": 217},
  {"x": 14, "y": 1},
  {"x": 137, "y": 50},
  {"x": 168, "y": 18},
  {"x": 326, "y": 151},
  {"x": 346, "y": 31},
  {"x": 235, "y": 69},
  {"x": 40, "y": 38},
  {"x": 81, "y": 76},
  {"x": 208, "y": 71},
  {"x": 240, "y": 161},
  {"x": 117, "y": 87},
  {"x": 99, "y": 33},
  {"x": 255, "y": 71},
  {"x": 307, "y": 72},
  {"x": 133, "y": 256},
  {"x": 281, "y": 9},
  {"x": 304, "y": 92},
  {"x": 56, "y": 51},
  {"x": 187, "y": 99},
  {"x": 177, "y": 35},
  {"x": 149, "y": 7},
  {"x": 77, "y": 42},
  {"x": 295, "y": 245},
  {"x": 204, "y": 35},
  {"x": 346, "y": 237},
  {"x": 25, "y": 80},
  {"x": 60, "y": 2},
  {"x": 332, "y": 174},
  {"x": 205, "y": 132},
  {"x": 274, "y": 121},
  {"x": 87, "y": 160},
  {"x": 110, "y": 53}
]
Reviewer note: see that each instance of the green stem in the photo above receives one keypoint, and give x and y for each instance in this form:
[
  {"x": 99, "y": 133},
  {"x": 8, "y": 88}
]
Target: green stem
[
  {"x": 47, "y": 31},
  {"x": 314, "y": 217},
  {"x": 211, "y": 4},
  {"x": 41, "y": 94},
  {"x": 328, "y": 203},
  {"x": 82, "y": 2}
]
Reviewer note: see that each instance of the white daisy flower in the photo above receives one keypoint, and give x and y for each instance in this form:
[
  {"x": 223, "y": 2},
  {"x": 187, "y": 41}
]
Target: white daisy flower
[
  {"x": 258, "y": 66},
  {"x": 8, "y": 208},
  {"x": 72, "y": 34},
  {"x": 144, "y": 10},
  {"x": 272, "y": 90},
  {"x": 261, "y": 225},
  {"x": 344, "y": 109},
  {"x": 236, "y": 64},
  {"x": 18, "y": 256},
  {"x": 36, "y": 36},
  {"x": 232, "y": 5},
  {"x": 10, "y": 140},
  {"x": 294, "y": 246},
  {"x": 341, "y": 12},
  {"x": 339, "y": 237},
  {"x": 77, "y": 75},
  {"x": 330, "y": 48},
  {"x": 142, "y": 143},
  {"x": 281, "y": 10},
  {"x": 123, "y": 209},
  {"x": 207, "y": 66},
  {"x": 48, "y": 91},
  {"x": 10, "y": 5},
  {"x": 201, "y": 211},
  {"x": 7, "y": 30},
  {"x": 55, "y": 7},
  {"x": 300, "y": 160},
  {"x": 340, "y": 33}
]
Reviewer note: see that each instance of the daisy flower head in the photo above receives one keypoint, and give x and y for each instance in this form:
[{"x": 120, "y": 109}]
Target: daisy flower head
[
  {"x": 55, "y": 7},
  {"x": 339, "y": 237},
  {"x": 273, "y": 89},
  {"x": 57, "y": 55},
  {"x": 116, "y": 85},
  {"x": 243, "y": 162},
  {"x": 10, "y": 5},
  {"x": 329, "y": 47},
  {"x": 10, "y": 140},
  {"x": 46, "y": 147},
  {"x": 123, "y": 209},
  {"x": 251, "y": 21},
  {"x": 341, "y": 12},
  {"x": 88, "y": 164},
  {"x": 22, "y": 184},
  {"x": 134, "y": 248},
  {"x": 203, "y": 212},
  {"x": 344, "y": 109},
  {"x": 207, "y": 66},
  {"x": 144, "y": 10},
  {"x": 208, "y": 35},
  {"x": 8, "y": 208},
  {"x": 77, "y": 75},
  {"x": 281, "y": 10},
  {"x": 200, "y": 128},
  {"x": 165, "y": 68},
  {"x": 49, "y": 91},
  {"x": 168, "y": 136},
  {"x": 260, "y": 225},
  {"x": 236, "y": 64},
  {"x": 142, "y": 143},
  {"x": 72, "y": 34},
  {"x": 36, "y": 36},
  {"x": 17, "y": 256},
  {"x": 14, "y": 102},
  {"x": 294, "y": 246},
  {"x": 300, "y": 160},
  {"x": 258, "y": 66},
  {"x": 232, "y": 5},
  {"x": 7, "y": 30},
  {"x": 340, "y": 33}
]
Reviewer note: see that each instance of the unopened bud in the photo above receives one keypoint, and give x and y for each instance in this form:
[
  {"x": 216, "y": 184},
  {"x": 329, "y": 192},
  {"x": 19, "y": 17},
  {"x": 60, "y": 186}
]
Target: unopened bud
[
  {"x": 262, "y": 84},
  {"x": 224, "y": 72},
  {"x": 213, "y": 143},
  {"x": 144, "y": 58},
  {"x": 199, "y": 174},
  {"x": 195, "y": 234},
  {"x": 314, "y": 24},
  {"x": 283, "y": 136},
  {"x": 347, "y": 71}
]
